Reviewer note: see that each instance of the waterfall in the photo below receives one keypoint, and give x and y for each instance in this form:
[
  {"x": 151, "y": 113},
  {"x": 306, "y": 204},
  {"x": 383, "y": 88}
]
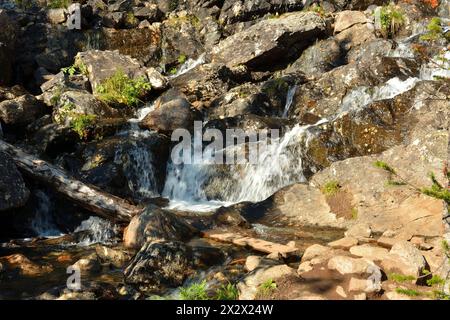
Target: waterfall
[
  {"x": 137, "y": 160},
  {"x": 189, "y": 186},
  {"x": 189, "y": 65},
  {"x": 362, "y": 96},
  {"x": 289, "y": 99},
  {"x": 100, "y": 231},
  {"x": 42, "y": 223}
]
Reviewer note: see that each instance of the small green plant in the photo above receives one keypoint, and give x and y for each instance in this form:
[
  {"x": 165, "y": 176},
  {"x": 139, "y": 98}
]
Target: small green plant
[
  {"x": 330, "y": 188},
  {"x": 227, "y": 292},
  {"x": 77, "y": 67},
  {"x": 435, "y": 31},
  {"x": 435, "y": 280},
  {"x": 317, "y": 8},
  {"x": 182, "y": 59},
  {"x": 266, "y": 288},
  {"x": 81, "y": 123},
  {"x": 59, "y": 4},
  {"x": 408, "y": 292},
  {"x": 122, "y": 90},
  {"x": 383, "y": 165},
  {"x": 436, "y": 190},
  {"x": 173, "y": 71},
  {"x": 196, "y": 291},
  {"x": 131, "y": 19},
  {"x": 391, "y": 19},
  {"x": 400, "y": 278}
]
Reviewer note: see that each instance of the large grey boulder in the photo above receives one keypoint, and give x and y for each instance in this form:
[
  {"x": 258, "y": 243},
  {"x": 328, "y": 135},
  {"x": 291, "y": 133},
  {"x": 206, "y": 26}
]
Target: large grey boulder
[
  {"x": 270, "y": 41},
  {"x": 101, "y": 65},
  {"x": 21, "y": 111}
]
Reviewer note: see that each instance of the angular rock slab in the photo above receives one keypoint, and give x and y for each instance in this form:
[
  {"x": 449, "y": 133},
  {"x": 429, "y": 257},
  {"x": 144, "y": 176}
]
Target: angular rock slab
[{"x": 270, "y": 40}]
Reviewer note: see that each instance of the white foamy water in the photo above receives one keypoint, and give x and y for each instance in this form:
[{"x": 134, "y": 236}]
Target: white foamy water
[
  {"x": 362, "y": 96},
  {"x": 42, "y": 223},
  {"x": 100, "y": 231},
  {"x": 188, "y": 185},
  {"x": 289, "y": 98},
  {"x": 189, "y": 65},
  {"x": 439, "y": 66}
]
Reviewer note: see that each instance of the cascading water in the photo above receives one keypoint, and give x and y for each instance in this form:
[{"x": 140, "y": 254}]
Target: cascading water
[
  {"x": 99, "y": 231},
  {"x": 189, "y": 186},
  {"x": 42, "y": 223},
  {"x": 137, "y": 159},
  {"x": 289, "y": 100},
  {"x": 189, "y": 65}
]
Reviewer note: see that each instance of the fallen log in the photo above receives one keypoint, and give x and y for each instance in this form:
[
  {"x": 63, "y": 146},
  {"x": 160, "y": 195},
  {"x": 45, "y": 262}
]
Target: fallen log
[
  {"x": 87, "y": 196},
  {"x": 253, "y": 243}
]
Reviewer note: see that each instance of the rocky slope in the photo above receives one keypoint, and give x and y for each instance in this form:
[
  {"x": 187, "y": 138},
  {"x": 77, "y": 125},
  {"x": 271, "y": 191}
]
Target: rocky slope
[{"x": 351, "y": 202}]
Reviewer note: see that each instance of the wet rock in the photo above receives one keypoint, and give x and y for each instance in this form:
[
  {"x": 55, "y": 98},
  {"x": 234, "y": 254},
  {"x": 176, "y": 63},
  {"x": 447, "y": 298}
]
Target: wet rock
[
  {"x": 158, "y": 264},
  {"x": 266, "y": 42},
  {"x": 117, "y": 257},
  {"x": 101, "y": 65},
  {"x": 230, "y": 216},
  {"x": 172, "y": 112},
  {"x": 126, "y": 165},
  {"x": 85, "y": 295},
  {"x": 156, "y": 224},
  {"x": 318, "y": 58},
  {"x": 21, "y": 111},
  {"x": 181, "y": 38},
  {"x": 13, "y": 192},
  {"x": 24, "y": 266},
  {"x": 89, "y": 264},
  {"x": 405, "y": 258},
  {"x": 8, "y": 41},
  {"x": 156, "y": 79}
]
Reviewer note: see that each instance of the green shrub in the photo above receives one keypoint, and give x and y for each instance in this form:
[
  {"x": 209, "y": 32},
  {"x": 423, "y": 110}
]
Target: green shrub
[
  {"x": 266, "y": 288},
  {"x": 330, "y": 188},
  {"x": 196, "y": 291},
  {"x": 436, "y": 190},
  {"x": 400, "y": 278},
  {"x": 435, "y": 281},
  {"x": 77, "y": 67},
  {"x": 408, "y": 292},
  {"x": 435, "y": 31},
  {"x": 120, "y": 89},
  {"x": 227, "y": 292},
  {"x": 81, "y": 123},
  {"x": 391, "y": 19},
  {"x": 182, "y": 59}
]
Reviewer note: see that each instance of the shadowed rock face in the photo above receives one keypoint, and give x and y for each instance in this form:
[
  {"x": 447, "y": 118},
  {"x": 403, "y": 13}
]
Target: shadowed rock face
[
  {"x": 8, "y": 41},
  {"x": 270, "y": 41},
  {"x": 13, "y": 192}
]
